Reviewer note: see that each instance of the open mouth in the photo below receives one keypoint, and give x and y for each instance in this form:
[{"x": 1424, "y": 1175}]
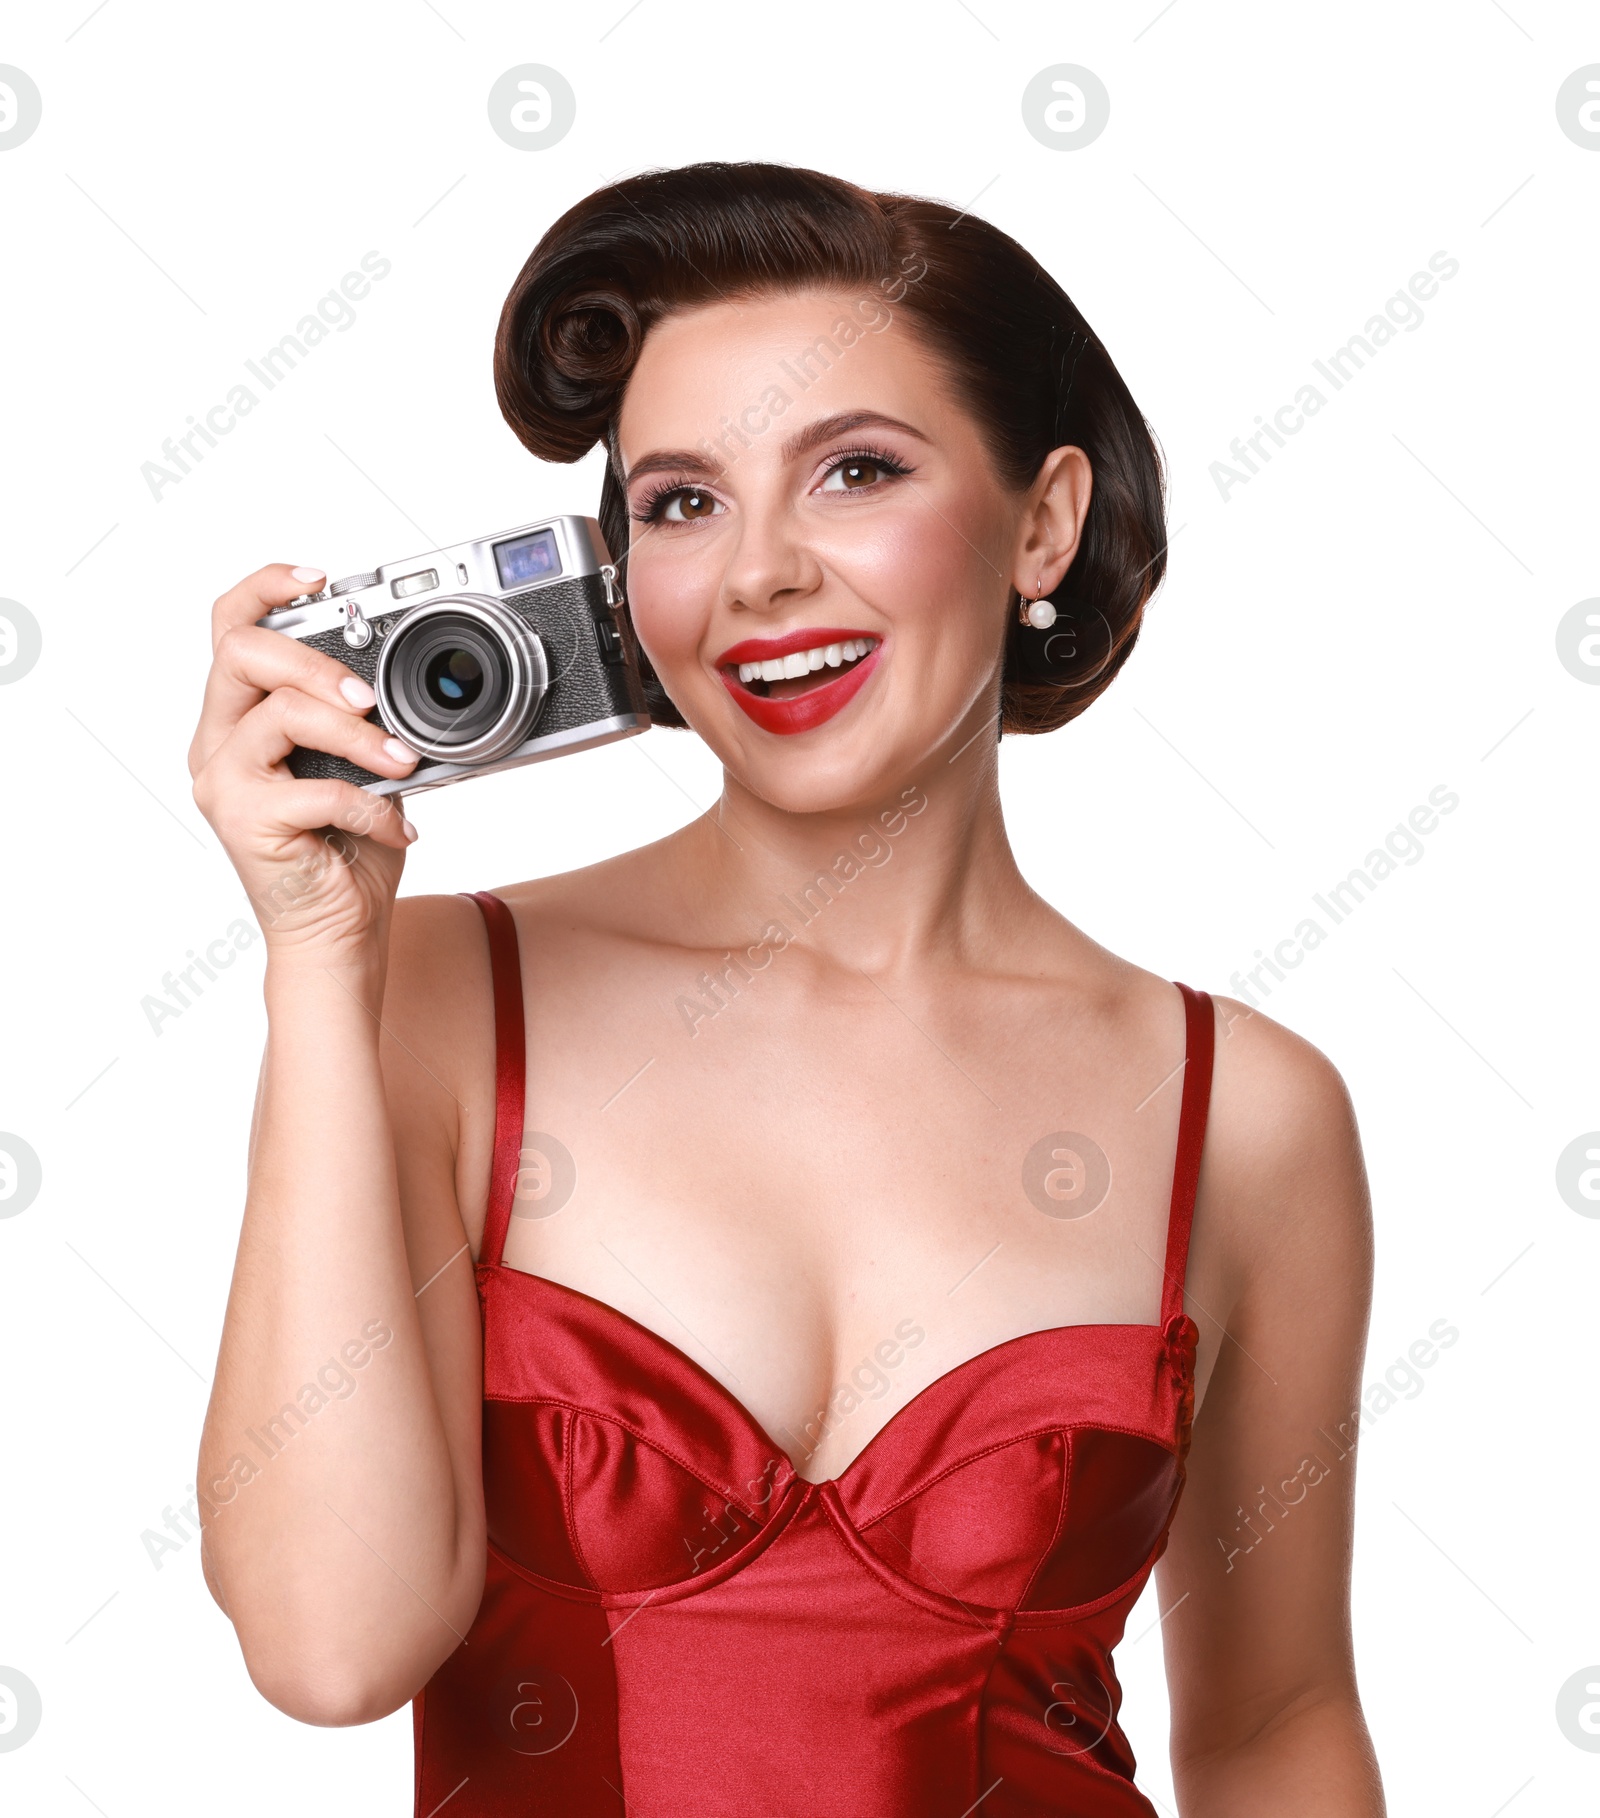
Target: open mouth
[
  {"x": 801, "y": 671},
  {"x": 798, "y": 681}
]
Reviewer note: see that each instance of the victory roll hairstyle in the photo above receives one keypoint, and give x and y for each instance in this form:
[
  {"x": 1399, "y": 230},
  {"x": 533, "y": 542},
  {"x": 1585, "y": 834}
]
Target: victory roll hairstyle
[{"x": 1022, "y": 359}]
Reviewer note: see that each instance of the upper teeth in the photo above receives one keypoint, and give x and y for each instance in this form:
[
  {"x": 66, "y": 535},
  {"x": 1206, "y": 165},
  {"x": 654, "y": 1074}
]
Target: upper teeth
[{"x": 802, "y": 662}]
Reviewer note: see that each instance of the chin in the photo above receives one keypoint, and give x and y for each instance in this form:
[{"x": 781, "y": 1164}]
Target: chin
[
  {"x": 831, "y": 784},
  {"x": 838, "y": 768}
]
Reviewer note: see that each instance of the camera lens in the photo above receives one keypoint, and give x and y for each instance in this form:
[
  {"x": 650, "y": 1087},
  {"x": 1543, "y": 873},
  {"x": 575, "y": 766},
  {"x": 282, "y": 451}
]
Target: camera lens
[
  {"x": 449, "y": 676},
  {"x": 461, "y": 679},
  {"x": 453, "y": 678}
]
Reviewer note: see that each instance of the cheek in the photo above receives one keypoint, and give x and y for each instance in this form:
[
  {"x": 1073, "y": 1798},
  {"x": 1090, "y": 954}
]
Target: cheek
[
  {"x": 928, "y": 574},
  {"x": 668, "y": 598}
]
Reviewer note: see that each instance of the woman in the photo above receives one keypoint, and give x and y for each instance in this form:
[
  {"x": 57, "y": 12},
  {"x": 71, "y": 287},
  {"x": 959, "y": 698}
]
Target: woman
[{"x": 830, "y": 1194}]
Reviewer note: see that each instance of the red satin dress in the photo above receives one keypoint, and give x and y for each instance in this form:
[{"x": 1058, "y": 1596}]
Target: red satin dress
[{"x": 676, "y": 1625}]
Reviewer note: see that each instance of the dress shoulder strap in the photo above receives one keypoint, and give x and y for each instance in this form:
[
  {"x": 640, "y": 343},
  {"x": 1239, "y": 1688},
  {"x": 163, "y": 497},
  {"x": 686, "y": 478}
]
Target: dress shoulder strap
[
  {"x": 1199, "y": 1049},
  {"x": 510, "y": 1072}
]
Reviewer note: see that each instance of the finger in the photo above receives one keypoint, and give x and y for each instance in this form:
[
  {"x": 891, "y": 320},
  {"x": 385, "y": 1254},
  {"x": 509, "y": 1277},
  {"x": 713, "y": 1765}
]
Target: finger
[
  {"x": 252, "y": 661},
  {"x": 321, "y": 803},
  {"x": 266, "y": 735},
  {"x": 260, "y": 593},
  {"x": 251, "y": 599},
  {"x": 270, "y": 819}
]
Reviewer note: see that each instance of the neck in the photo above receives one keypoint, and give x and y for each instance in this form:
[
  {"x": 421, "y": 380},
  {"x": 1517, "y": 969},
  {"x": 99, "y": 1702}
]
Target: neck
[{"x": 920, "y": 875}]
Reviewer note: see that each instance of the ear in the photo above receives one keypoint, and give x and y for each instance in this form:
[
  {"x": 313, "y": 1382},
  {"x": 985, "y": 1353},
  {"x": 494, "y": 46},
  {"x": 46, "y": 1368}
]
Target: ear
[{"x": 1054, "y": 513}]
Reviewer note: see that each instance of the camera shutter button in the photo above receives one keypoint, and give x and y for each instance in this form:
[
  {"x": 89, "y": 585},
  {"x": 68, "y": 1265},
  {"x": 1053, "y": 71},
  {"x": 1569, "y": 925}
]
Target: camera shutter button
[{"x": 353, "y": 583}]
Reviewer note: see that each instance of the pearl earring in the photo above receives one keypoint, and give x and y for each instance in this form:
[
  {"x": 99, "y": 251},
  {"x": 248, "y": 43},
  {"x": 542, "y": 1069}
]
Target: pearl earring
[{"x": 1039, "y": 613}]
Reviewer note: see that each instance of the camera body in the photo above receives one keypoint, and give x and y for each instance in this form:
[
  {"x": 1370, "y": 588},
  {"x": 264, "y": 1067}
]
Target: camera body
[{"x": 483, "y": 656}]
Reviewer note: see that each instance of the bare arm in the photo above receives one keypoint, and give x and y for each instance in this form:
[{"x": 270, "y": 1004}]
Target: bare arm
[
  {"x": 1266, "y": 1713},
  {"x": 343, "y": 1518}
]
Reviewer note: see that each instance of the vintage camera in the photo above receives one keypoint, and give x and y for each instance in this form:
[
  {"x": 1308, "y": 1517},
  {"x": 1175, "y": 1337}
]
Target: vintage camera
[{"x": 483, "y": 656}]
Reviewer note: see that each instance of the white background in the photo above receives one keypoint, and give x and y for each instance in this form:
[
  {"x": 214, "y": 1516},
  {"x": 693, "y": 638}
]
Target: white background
[{"x": 1370, "y": 616}]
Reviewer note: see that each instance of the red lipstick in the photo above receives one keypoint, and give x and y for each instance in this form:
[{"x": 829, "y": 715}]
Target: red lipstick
[{"x": 815, "y": 706}]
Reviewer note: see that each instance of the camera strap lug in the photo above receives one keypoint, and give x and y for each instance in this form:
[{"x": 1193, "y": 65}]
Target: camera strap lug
[
  {"x": 357, "y": 632},
  {"x": 608, "y": 574}
]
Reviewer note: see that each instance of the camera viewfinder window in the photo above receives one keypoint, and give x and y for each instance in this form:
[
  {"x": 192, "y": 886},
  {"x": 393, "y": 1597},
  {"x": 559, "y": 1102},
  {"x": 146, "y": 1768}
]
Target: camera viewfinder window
[{"x": 527, "y": 559}]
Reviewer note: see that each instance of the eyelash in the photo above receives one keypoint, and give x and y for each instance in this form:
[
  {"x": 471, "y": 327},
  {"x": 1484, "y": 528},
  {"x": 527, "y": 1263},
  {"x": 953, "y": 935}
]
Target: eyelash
[{"x": 653, "y": 503}]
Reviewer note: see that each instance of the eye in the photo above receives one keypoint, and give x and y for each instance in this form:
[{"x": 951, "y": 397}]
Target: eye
[
  {"x": 861, "y": 471},
  {"x": 678, "y": 505}
]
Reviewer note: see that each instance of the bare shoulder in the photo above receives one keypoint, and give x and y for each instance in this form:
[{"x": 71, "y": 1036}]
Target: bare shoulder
[
  {"x": 1283, "y": 1167},
  {"x": 438, "y": 1047},
  {"x": 438, "y": 987},
  {"x": 437, "y": 1051},
  {"x": 440, "y": 984},
  {"x": 631, "y": 894},
  {"x": 1273, "y": 1089}
]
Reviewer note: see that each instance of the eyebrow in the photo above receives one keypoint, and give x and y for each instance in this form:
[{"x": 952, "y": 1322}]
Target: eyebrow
[{"x": 693, "y": 460}]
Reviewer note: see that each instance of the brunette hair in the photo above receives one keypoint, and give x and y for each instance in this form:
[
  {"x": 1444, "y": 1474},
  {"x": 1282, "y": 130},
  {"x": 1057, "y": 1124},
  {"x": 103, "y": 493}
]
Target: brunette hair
[{"x": 1022, "y": 359}]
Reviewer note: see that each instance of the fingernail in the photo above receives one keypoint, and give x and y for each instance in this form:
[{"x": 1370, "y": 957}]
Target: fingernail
[
  {"x": 408, "y": 830},
  {"x": 402, "y": 754},
  {"x": 356, "y": 692},
  {"x": 306, "y": 574}
]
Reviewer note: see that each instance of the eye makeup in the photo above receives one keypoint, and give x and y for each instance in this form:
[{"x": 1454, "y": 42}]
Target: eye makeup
[{"x": 651, "y": 507}]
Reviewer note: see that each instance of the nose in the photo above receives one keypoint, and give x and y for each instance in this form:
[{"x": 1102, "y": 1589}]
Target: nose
[{"x": 770, "y": 565}]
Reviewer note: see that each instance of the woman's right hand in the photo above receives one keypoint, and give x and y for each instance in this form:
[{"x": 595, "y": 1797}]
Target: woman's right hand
[{"x": 321, "y": 860}]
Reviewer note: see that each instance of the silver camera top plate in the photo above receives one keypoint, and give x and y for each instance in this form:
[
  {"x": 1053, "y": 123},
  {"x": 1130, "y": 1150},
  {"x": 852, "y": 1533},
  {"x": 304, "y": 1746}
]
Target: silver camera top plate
[{"x": 511, "y": 562}]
